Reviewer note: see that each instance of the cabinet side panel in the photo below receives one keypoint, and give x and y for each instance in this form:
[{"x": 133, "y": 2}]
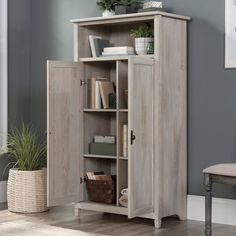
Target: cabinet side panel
[{"x": 171, "y": 125}]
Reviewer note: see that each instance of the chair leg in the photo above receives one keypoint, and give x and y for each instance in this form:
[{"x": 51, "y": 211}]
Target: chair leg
[{"x": 208, "y": 204}]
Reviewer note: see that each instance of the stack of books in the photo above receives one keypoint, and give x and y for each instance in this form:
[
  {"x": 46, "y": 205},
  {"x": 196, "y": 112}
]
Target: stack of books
[
  {"x": 118, "y": 51},
  {"x": 98, "y": 93},
  {"x": 101, "y": 47},
  {"x": 103, "y": 145}
]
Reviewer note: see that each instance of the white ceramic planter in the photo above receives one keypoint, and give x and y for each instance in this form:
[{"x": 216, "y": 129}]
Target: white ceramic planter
[
  {"x": 27, "y": 191},
  {"x": 108, "y": 13},
  {"x": 141, "y": 45}
]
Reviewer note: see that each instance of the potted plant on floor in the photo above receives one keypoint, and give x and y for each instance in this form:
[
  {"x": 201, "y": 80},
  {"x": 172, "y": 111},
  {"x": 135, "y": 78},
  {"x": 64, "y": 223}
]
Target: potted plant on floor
[
  {"x": 27, "y": 182},
  {"x": 107, "y": 6},
  {"x": 144, "y": 39},
  {"x": 127, "y": 6}
]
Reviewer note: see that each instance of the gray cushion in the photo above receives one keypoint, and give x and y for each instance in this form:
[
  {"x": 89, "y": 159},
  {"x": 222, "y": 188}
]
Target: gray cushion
[{"x": 228, "y": 169}]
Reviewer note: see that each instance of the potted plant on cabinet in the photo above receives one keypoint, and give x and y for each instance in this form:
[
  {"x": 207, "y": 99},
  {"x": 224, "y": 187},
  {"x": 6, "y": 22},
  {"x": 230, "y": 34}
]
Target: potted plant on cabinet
[
  {"x": 27, "y": 182},
  {"x": 107, "y": 6},
  {"x": 144, "y": 39},
  {"x": 127, "y": 6}
]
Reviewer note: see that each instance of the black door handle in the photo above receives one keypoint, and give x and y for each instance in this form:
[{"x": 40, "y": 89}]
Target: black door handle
[{"x": 132, "y": 137}]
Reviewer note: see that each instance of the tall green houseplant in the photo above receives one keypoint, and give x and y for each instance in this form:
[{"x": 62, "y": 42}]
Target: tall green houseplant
[
  {"x": 23, "y": 144},
  {"x": 28, "y": 173}
]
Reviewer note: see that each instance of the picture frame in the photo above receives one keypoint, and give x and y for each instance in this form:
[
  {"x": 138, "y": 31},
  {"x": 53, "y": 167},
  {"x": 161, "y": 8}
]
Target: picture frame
[{"x": 230, "y": 34}]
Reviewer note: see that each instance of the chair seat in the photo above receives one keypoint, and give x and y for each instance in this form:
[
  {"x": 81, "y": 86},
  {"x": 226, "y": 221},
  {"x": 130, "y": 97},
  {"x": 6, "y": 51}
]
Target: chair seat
[{"x": 228, "y": 169}]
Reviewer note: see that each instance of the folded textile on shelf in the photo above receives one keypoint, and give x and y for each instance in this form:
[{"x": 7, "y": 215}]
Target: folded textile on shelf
[{"x": 123, "y": 201}]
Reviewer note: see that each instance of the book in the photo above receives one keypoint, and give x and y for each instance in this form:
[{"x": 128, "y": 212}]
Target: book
[
  {"x": 99, "y": 45},
  {"x": 106, "y": 87},
  {"x": 93, "y": 89},
  {"x": 92, "y": 46},
  {"x": 92, "y": 175},
  {"x": 98, "y": 102},
  {"x": 118, "y": 49},
  {"x": 125, "y": 140},
  {"x": 103, "y": 177},
  {"x": 117, "y": 53},
  {"x": 104, "y": 139}
]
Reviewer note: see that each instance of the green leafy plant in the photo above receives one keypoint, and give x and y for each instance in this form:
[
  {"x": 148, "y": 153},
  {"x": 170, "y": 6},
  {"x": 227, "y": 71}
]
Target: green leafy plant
[
  {"x": 143, "y": 31},
  {"x": 128, "y": 2},
  {"x": 106, "y": 5},
  {"x": 23, "y": 144}
]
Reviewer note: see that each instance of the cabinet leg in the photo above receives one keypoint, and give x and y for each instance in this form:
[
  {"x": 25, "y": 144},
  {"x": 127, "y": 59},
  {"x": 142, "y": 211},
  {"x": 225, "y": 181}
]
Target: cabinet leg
[
  {"x": 157, "y": 224},
  {"x": 77, "y": 212}
]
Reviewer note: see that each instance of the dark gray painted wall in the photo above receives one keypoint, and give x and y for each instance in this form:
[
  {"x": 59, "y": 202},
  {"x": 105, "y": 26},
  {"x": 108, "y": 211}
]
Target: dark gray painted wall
[
  {"x": 51, "y": 38},
  {"x": 19, "y": 65},
  {"x": 212, "y": 94}
]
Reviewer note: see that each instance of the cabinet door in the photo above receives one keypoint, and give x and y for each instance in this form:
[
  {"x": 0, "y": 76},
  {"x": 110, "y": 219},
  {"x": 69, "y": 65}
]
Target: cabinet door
[
  {"x": 64, "y": 129},
  {"x": 140, "y": 123}
]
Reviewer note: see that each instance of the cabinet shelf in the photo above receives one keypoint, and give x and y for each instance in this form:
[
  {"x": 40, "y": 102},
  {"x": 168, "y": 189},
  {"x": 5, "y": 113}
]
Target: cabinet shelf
[
  {"x": 100, "y": 110},
  {"x": 112, "y": 58},
  {"x": 99, "y": 156},
  {"x": 123, "y": 110},
  {"x": 93, "y": 206}
]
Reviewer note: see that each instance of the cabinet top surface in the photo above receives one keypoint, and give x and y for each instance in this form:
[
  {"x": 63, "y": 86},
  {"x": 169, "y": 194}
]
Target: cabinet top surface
[{"x": 129, "y": 17}]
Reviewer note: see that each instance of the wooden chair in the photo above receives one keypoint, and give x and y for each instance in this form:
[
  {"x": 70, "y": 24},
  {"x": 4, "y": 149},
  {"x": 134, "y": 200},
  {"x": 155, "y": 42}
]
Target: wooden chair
[{"x": 221, "y": 173}]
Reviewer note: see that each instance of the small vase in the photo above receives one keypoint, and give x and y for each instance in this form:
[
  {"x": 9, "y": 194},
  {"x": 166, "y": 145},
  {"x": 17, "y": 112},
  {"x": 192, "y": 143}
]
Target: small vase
[
  {"x": 142, "y": 45},
  {"x": 107, "y": 13}
]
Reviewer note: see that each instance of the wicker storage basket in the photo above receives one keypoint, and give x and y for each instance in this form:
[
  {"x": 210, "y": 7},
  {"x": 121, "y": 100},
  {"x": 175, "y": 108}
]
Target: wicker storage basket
[
  {"x": 102, "y": 191},
  {"x": 27, "y": 191}
]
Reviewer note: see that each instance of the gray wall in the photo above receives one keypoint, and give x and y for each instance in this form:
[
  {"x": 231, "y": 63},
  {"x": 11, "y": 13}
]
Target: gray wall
[
  {"x": 212, "y": 94},
  {"x": 19, "y": 68}
]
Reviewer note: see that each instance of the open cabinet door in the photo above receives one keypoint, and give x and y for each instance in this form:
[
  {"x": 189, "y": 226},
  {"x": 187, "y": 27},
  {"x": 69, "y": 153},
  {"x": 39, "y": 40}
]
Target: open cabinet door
[
  {"x": 140, "y": 123},
  {"x": 64, "y": 132}
]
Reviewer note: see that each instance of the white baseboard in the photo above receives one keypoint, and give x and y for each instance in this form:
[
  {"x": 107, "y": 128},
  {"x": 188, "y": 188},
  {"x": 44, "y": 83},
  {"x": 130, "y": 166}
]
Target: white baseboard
[
  {"x": 3, "y": 191},
  {"x": 223, "y": 210}
]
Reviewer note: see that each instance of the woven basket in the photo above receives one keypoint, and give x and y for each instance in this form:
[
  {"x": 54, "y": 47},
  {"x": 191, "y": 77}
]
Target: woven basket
[
  {"x": 27, "y": 191},
  {"x": 102, "y": 191}
]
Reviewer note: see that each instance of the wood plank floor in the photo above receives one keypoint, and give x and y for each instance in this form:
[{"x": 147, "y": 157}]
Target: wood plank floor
[{"x": 109, "y": 224}]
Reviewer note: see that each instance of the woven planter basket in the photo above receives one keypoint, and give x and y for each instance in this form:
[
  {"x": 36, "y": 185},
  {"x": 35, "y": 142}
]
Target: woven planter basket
[{"x": 27, "y": 191}]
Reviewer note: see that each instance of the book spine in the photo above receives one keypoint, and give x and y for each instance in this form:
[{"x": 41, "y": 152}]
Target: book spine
[
  {"x": 89, "y": 102},
  {"x": 92, "y": 47},
  {"x": 125, "y": 140},
  {"x": 98, "y": 103},
  {"x": 93, "y": 84}
]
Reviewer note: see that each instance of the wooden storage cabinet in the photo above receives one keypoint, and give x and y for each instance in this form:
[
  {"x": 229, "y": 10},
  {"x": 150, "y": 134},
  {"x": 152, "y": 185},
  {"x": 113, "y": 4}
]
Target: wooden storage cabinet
[{"x": 155, "y": 169}]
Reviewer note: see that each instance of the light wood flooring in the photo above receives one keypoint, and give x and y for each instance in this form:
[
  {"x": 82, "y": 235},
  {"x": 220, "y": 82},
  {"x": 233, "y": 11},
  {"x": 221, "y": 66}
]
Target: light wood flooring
[{"x": 109, "y": 224}]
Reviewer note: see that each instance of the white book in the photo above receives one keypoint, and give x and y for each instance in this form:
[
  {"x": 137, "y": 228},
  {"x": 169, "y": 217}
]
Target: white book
[
  {"x": 119, "y": 49},
  {"x": 92, "y": 46},
  {"x": 125, "y": 140},
  {"x": 117, "y": 53},
  {"x": 98, "y": 102}
]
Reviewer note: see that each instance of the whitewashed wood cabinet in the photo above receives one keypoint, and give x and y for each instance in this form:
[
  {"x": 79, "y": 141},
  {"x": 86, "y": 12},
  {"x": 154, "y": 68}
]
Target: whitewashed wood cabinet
[{"x": 155, "y": 169}]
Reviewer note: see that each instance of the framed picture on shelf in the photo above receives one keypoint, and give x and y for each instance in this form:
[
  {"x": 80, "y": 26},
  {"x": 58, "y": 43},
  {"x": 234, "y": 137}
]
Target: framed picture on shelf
[{"x": 230, "y": 33}]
